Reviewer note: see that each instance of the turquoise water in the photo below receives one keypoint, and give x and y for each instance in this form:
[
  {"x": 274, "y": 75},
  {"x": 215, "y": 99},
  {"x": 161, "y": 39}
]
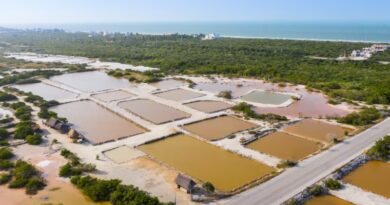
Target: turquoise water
[{"x": 370, "y": 32}]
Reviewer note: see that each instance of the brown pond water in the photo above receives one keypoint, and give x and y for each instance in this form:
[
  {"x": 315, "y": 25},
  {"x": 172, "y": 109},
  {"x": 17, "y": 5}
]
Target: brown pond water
[
  {"x": 219, "y": 127},
  {"x": 169, "y": 84},
  {"x": 312, "y": 104},
  {"x": 327, "y": 200},
  {"x": 285, "y": 146},
  {"x": 152, "y": 111},
  {"x": 317, "y": 130},
  {"x": 374, "y": 176},
  {"x": 225, "y": 170},
  {"x": 48, "y": 92},
  {"x": 209, "y": 106},
  {"x": 179, "y": 95},
  {"x": 91, "y": 81},
  {"x": 113, "y": 95},
  {"x": 96, "y": 123}
]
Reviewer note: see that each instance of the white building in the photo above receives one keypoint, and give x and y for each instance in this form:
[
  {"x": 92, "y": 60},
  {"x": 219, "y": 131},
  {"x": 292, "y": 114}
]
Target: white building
[{"x": 211, "y": 36}]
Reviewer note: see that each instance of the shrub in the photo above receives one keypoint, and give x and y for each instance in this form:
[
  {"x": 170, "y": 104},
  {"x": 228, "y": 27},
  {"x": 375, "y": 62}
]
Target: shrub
[
  {"x": 34, "y": 139},
  {"x": 316, "y": 190},
  {"x": 5, "y": 164},
  {"x": 7, "y": 97},
  {"x": 6, "y": 153},
  {"x": 22, "y": 173},
  {"x": 227, "y": 94},
  {"x": 364, "y": 117},
  {"x": 5, "y": 178},
  {"x": 23, "y": 129},
  {"x": 286, "y": 163},
  {"x": 208, "y": 186},
  {"x": 3, "y": 134},
  {"x": 127, "y": 194},
  {"x": 333, "y": 184},
  {"x": 34, "y": 185},
  {"x": 381, "y": 149}
]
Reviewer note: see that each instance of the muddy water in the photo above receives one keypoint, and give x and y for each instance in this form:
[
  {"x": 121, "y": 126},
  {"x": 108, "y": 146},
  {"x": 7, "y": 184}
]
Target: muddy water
[
  {"x": 311, "y": 105},
  {"x": 218, "y": 128},
  {"x": 317, "y": 130},
  {"x": 327, "y": 200},
  {"x": 96, "y": 123},
  {"x": 374, "y": 176},
  {"x": 285, "y": 146},
  {"x": 266, "y": 97},
  {"x": 169, "y": 84},
  {"x": 225, "y": 170},
  {"x": 179, "y": 95},
  {"x": 113, "y": 95},
  {"x": 91, "y": 81},
  {"x": 209, "y": 106},
  {"x": 152, "y": 111},
  {"x": 48, "y": 92}
]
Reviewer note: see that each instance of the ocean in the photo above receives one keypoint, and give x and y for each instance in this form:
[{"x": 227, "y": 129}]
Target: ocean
[{"x": 332, "y": 31}]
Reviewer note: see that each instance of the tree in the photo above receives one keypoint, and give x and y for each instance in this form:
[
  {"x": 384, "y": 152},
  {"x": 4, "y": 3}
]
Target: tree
[
  {"x": 3, "y": 134},
  {"x": 23, "y": 129},
  {"x": 333, "y": 184},
  {"x": 381, "y": 149}
]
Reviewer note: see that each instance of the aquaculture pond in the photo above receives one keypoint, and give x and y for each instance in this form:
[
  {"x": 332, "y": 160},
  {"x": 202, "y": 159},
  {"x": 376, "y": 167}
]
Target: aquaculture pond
[
  {"x": 152, "y": 111},
  {"x": 46, "y": 91},
  {"x": 285, "y": 146},
  {"x": 96, "y": 123},
  {"x": 374, "y": 176},
  {"x": 179, "y": 95},
  {"x": 169, "y": 84},
  {"x": 327, "y": 200},
  {"x": 318, "y": 130},
  {"x": 312, "y": 104},
  {"x": 205, "y": 162},
  {"x": 209, "y": 106},
  {"x": 113, "y": 95},
  {"x": 123, "y": 154},
  {"x": 266, "y": 97},
  {"x": 91, "y": 81},
  {"x": 219, "y": 127}
]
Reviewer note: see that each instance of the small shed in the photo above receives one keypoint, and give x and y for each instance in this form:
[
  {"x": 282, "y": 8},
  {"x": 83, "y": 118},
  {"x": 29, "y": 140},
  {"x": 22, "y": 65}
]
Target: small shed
[
  {"x": 185, "y": 183},
  {"x": 62, "y": 127},
  {"x": 73, "y": 134},
  {"x": 52, "y": 122}
]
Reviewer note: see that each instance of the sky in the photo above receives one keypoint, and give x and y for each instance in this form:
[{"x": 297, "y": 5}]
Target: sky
[{"x": 109, "y": 11}]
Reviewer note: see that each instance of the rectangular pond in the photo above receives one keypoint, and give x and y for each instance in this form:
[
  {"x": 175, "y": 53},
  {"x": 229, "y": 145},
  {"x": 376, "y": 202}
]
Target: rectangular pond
[
  {"x": 46, "y": 91},
  {"x": 205, "y": 162},
  {"x": 266, "y": 97},
  {"x": 113, "y": 95},
  {"x": 318, "y": 130},
  {"x": 209, "y": 106},
  {"x": 123, "y": 154},
  {"x": 152, "y": 111},
  {"x": 374, "y": 176},
  {"x": 285, "y": 146},
  {"x": 219, "y": 127},
  {"x": 95, "y": 123},
  {"x": 91, "y": 81},
  {"x": 169, "y": 84},
  {"x": 179, "y": 95},
  {"x": 327, "y": 200}
]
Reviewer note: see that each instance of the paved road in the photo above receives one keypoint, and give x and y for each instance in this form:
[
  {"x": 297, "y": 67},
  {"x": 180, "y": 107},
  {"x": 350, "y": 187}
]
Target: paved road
[{"x": 294, "y": 180}]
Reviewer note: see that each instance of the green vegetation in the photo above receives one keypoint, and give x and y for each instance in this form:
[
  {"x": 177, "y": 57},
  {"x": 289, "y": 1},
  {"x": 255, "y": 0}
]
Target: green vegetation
[
  {"x": 286, "y": 163},
  {"x": 227, "y": 94},
  {"x": 74, "y": 166},
  {"x": 275, "y": 60},
  {"x": 246, "y": 109},
  {"x": 381, "y": 149},
  {"x": 5, "y": 178},
  {"x": 111, "y": 190},
  {"x": 209, "y": 187},
  {"x": 23, "y": 129},
  {"x": 316, "y": 190},
  {"x": 6, "y": 97},
  {"x": 5, "y": 165},
  {"x": 25, "y": 175},
  {"x": 4, "y": 134},
  {"x": 6, "y": 153},
  {"x": 364, "y": 117},
  {"x": 22, "y": 77},
  {"x": 333, "y": 184},
  {"x": 34, "y": 139},
  {"x": 138, "y": 77},
  {"x": 22, "y": 111}
]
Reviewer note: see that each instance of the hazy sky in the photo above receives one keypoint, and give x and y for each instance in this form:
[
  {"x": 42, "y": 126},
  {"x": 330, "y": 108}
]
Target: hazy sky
[{"x": 94, "y": 11}]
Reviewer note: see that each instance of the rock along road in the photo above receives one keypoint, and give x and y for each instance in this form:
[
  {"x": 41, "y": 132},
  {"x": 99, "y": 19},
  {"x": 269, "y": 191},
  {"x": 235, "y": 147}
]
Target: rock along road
[{"x": 293, "y": 180}]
